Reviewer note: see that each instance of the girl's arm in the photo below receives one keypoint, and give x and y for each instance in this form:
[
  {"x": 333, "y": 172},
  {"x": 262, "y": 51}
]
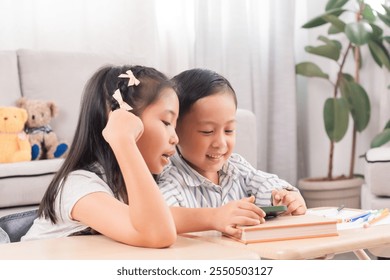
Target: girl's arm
[
  {"x": 146, "y": 221},
  {"x": 224, "y": 218}
]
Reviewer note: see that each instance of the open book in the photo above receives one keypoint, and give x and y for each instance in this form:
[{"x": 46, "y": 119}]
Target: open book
[{"x": 289, "y": 227}]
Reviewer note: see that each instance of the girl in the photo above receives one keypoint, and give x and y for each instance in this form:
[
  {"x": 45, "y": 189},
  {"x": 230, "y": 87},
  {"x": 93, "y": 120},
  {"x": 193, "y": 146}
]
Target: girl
[
  {"x": 206, "y": 174},
  {"x": 105, "y": 184}
]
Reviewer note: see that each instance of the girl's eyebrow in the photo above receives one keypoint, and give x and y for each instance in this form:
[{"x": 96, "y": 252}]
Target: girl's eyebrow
[{"x": 171, "y": 112}]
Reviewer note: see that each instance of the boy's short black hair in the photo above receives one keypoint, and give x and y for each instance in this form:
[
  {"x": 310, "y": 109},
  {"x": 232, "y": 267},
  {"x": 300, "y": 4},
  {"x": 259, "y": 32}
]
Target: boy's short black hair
[{"x": 192, "y": 85}]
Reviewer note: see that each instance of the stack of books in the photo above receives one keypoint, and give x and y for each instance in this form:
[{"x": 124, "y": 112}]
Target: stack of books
[{"x": 289, "y": 227}]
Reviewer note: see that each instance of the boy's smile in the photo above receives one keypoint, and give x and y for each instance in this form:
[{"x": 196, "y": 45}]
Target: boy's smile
[{"x": 207, "y": 133}]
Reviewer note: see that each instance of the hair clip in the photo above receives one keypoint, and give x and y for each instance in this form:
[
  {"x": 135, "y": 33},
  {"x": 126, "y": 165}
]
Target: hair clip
[
  {"x": 132, "y": 79},
  {"x": 122, "y": 104}
]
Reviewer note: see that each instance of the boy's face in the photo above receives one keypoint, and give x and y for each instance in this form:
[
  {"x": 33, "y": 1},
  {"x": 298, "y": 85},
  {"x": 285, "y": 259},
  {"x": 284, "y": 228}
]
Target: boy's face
[
  {"x": 207, "y": 133},
  {"x": 159, "y": 138}
]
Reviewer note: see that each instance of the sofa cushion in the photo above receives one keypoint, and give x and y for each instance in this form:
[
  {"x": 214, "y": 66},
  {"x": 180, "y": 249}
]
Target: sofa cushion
[
  {"x": 246, "y": 141},
  {"x": 60, "y": 77},
  {"x": 24, "y": 183},
  {"x": 9, "y": 78},
  {"x": 377, "y": 173}
]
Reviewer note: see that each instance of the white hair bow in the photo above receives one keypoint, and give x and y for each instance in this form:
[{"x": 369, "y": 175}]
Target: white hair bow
[
  {"x": 132, "y": 79},
  {"x": 122, "y": 104}
]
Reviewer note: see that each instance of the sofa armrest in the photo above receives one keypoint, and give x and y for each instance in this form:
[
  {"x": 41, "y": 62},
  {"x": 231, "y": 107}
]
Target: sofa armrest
[
  {"x": 377, "y": 171},
  {"x": 24, "y": 183}
]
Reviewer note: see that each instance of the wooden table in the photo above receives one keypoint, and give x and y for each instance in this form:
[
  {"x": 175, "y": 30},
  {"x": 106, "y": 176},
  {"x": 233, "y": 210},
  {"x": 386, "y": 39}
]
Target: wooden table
[
  {"x": 350, "y": 240},
  {"x": 93, "y": 247}
]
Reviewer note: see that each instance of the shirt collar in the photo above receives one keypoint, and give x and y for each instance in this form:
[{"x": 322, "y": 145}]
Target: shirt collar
[{"x": 192, "y": 178}]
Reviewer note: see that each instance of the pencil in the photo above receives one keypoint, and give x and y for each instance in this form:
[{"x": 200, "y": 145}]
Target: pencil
[{"x": 382, "y": 215}]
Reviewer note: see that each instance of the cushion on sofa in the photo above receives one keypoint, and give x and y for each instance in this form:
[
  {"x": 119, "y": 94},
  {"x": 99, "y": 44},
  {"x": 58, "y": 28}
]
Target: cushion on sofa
[
  {"x": 24, "y": 183},
  {"x": 246, "y": 141},
  {"x": 9, "y": 78}
]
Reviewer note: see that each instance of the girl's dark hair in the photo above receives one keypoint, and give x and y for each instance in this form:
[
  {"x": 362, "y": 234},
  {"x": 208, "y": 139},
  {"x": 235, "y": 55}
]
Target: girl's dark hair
[
  {"x": 192, "y": 85},
  {"x": 89, "y": 147}
]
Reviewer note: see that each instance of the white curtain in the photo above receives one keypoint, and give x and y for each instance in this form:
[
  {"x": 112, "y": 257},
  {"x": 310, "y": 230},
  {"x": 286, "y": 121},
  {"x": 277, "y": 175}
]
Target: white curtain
[{"x": 250, "y": 42}]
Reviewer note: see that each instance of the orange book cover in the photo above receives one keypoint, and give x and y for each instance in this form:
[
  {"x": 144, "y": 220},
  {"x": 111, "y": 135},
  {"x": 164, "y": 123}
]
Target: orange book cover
[{"x": 289, "y": 227}]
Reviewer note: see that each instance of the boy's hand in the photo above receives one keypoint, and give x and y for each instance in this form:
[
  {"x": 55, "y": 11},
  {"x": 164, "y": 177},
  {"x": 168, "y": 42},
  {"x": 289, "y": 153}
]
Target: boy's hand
[
  {"x": 239, "y": 212},
  {"x": 122, "y": 124},
  {"x": 293, "y": 200}
]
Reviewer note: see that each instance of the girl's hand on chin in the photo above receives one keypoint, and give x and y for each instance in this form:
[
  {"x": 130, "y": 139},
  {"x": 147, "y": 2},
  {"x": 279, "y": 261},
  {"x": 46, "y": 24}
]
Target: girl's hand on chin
[{"x": 122, "y": 123}]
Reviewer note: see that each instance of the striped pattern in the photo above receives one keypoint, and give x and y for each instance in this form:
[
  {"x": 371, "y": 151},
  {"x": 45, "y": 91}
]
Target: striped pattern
[{"x": 183, "y": 186}]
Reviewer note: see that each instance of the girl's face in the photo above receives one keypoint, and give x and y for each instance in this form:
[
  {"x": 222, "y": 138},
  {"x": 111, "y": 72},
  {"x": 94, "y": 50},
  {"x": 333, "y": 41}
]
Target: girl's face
[
  {"x": 159, "y": 139},
  {"x": 207, "y": 133}
]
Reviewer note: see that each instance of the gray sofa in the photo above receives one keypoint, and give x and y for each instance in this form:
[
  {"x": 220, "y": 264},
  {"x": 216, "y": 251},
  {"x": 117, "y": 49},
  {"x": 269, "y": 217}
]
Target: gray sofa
[{"x": 60, "y": 77}]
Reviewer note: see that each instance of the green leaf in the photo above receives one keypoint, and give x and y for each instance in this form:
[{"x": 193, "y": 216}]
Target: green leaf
[
  {"x": 309, "y": 69},
  {"x": 381, "y": 139},
  {"x": 387, "y": 125},
  {"x": 335, "y": 118},
  {"x": 358, "y": 103},
  {"x": 368, "y": 14},
  {"x": 379, "y": 53},
  {"x": 348, "y": 77},
  {"x": 328, "y": 41},
  {"x": 387, "y": 9},
  {"x": 332, "y": 4},
  {"x": 358, "y": 32},
  {"x": 317, "y": 21},
  {"x": 335, "y": 21},
  {"x": 377, "y": 32},
  {"x": 325, "y": 50},
  {"x": 333, "y": 30},
  {"x": 330, "y": 50},
  {"x": 385, "y": 18},
  {"x": 386, "y": 38},
  {"x": 374, "y": 50}
]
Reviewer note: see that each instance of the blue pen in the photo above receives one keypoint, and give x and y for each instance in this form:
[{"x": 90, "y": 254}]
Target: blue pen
[{"x": 362, "y": 216}]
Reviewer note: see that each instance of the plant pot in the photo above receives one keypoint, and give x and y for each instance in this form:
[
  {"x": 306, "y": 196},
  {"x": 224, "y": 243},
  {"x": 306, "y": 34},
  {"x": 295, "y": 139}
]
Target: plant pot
[{"x": 319, "y": 193}]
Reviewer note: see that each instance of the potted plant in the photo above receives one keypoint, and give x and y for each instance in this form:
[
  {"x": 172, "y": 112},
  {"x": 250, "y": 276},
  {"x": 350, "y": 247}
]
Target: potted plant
[{"x": 342, "y": 44}]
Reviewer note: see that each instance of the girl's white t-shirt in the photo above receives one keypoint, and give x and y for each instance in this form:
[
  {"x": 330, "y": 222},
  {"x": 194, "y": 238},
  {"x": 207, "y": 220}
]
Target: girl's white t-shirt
[{"x": 78, "y": 184}]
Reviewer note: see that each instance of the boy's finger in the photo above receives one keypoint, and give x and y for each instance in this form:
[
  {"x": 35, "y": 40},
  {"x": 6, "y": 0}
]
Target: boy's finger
[
  {"x": 250, "y": 199},
  {"x": 233, "y": 231}
]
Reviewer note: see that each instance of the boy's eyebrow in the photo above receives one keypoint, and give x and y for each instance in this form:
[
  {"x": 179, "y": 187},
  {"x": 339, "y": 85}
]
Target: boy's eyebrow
[{"x": 211, "y": 122}]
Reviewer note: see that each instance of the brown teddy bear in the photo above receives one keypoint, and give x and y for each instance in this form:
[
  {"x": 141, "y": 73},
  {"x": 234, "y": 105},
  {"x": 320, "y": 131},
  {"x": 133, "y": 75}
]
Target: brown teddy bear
[
  {"x": 14, "y": 144},
  {"x": 44, "y": 142}
]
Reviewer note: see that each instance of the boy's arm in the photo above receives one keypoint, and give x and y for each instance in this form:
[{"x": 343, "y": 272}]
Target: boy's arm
[
  {"x": 269, "y": 189},
  {"x": 223, "y": 219}
]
